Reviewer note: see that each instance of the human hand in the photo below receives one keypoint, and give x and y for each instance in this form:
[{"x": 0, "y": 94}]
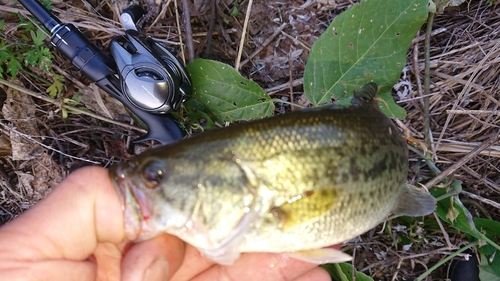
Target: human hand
[{"x": 77, "y": 233}]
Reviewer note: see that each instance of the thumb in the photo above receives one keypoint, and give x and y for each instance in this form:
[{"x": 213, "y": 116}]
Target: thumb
[{"x": 156, "y": 259}]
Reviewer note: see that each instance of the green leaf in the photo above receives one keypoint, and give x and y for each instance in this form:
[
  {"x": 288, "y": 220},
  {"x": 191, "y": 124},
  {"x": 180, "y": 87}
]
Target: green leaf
[
  {"x": 486, "y": 273},
  {"x": 235, "y": 12},
  {"x": 343, "y": 271},
  {"x": 487, "y": 227},
  {"x": 38, "y": 37},
  {"x": 45, "y": 62},
  {"x": 225, "y": 94},
  {"x": 64, "y": 113},
  {"x": 13, "y": 67},
  {"x": 4, "y": 55},
  {"x": 48, "y": 4},
  {"x": 55, "y": 89},
  {"x": 366, "y": 43},
  {"x": 2, "y": 23},
  {"x": 39, "y": 57},
  {"x": 196, "y": 114}
]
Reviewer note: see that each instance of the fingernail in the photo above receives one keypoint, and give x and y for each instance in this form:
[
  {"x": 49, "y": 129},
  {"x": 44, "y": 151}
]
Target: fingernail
[{"x": 157, "y": 271}]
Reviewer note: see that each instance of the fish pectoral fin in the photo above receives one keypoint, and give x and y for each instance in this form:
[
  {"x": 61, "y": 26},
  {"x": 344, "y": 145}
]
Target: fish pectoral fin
[
  {"x": 227, "y": 257},
  {"x": 414, "y": 202},
  {"x": 321, "y": 256},
  {"x": 305, "y": 207}
]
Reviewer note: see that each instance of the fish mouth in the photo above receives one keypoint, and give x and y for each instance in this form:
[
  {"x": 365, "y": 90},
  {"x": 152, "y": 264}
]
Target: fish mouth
[{"x": 133, "y": 203}]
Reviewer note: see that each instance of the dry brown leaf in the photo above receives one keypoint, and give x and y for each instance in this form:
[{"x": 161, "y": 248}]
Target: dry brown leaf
[
  {"x": 99, "y": 102},
  {"x": 19, "y": 109}
]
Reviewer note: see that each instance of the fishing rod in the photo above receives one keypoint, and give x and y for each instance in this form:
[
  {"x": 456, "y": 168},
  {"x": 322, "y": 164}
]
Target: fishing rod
[{"x": 140, "y": 72}]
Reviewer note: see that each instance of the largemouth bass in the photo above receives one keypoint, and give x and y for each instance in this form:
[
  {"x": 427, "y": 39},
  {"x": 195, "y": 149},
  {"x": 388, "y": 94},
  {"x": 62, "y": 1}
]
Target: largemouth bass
[{"x": 293, "y": 183}]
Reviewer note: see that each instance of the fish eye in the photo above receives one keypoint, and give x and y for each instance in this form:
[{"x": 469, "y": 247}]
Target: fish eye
[{"x": 153, "y": 173}]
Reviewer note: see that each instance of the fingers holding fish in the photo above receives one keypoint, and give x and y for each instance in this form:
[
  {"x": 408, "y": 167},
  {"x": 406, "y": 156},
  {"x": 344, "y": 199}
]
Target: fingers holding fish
[
  {"x": 265, "y": 267},
  {"x": 155, "y": 259}
]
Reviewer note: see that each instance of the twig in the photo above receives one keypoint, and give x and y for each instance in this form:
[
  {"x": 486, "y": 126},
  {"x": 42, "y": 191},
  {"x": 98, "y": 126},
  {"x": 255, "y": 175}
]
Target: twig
[
  {"x": 210, "y": 33},
  {"x": 486, "y": 181},
  {"x": 482, "y": 199},
  {"x": 179, "y": 30},
  {"x": 243, "y": 35},
  {"x": 160, "y": 15},
  {"x": 489, "y": 112},
  {"x": 28, "y": 137},
  {"x": 462, "y": 161},
  {"x": 433, "y": 33},
  {"x": 186, "y": 16},
  {"x": 295, "y": 40},
  {"x": 427, "y": 80},
  {"x": 283, "y": 86},
  {"x": 69, "y": 107},
  {"x": 467, "y": 87},
  {"x": 443, "y": 230},
  {"x": 267, "y": 42}
]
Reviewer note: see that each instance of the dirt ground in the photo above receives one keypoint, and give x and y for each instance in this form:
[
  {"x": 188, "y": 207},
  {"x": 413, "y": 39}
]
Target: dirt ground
[{"x": 38, "y": 147}]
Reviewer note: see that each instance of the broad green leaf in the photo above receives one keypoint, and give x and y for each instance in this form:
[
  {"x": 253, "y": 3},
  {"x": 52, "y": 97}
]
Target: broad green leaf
[
  {"x": 486, "y": 273},
  {"x": 366, "y": 43},
  {"x": 488, "y": 227},
  {"x": 225, "y": 94},
  {"x": 196, "y": 114}
]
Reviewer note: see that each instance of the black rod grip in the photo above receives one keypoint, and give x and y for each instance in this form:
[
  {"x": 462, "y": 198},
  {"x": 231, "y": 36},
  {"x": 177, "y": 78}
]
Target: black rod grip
[{"x": 42, "y": 14}]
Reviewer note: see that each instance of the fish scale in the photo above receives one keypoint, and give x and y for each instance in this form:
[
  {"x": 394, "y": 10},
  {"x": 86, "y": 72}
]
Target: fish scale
[{"x": 292, "y": 183}]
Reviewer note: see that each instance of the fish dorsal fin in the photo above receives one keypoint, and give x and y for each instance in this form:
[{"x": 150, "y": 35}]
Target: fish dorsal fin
[
  {"x": 414, "y": 202},
  {"x": 305, "y": 207}
]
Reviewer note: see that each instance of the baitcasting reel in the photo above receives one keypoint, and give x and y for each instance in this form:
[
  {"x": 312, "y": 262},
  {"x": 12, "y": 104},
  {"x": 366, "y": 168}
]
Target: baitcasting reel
[{"x": 141, "y": 73}]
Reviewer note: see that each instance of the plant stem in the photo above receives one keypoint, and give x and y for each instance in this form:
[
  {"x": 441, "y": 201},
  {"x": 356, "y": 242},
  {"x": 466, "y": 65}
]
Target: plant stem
[
  {"x": 443, "y": 261},
  {"x": 427, "y": 80},
  {"x": 287, "y": 102},
  {"x": 340, "y": 273}
]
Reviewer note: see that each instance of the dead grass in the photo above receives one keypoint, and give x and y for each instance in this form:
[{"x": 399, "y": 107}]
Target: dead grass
[{"x": 464, "y": 106}]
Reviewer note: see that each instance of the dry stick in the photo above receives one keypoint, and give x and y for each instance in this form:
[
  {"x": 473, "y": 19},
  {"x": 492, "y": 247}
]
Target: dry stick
[
  {"x": 210, "y": 33},
  {"x": 467, "y": 87},
  {"x": 69, "y": 107},
  {"x": 243, "y": 35},
  {"x": 433, "y": 33},
  {"x": 462, "y": 161},
  {"x": 416, "y": 71},
  {"x": 427, "y": 81},
  {"x": 179, "y": 30},
  {"x": 482, "y": 199},
  {"x": 268, "y": 40},
  {"x": 464, "y": 111},
  {"x": 297, "y": 41},
  {"x": 275, "y": 89},
  {"x": 486, "y": 181},
  {"x": 443, "y": 230},
  {"x": 160, "y": 15},
  {"x": 28, "y": 137},
  {"x": 186, "y": 16}
]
